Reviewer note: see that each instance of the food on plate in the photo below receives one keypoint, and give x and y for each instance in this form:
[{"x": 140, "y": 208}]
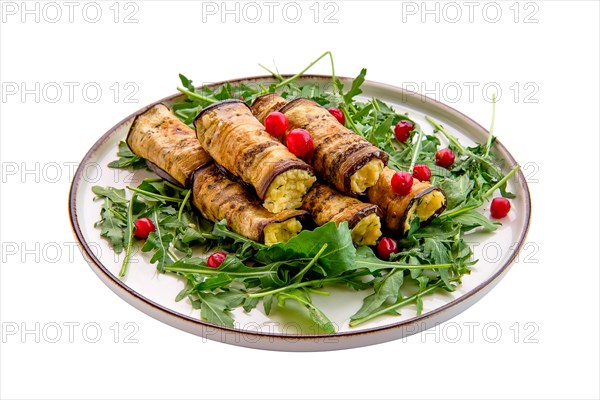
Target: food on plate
[
  {"x": 499, "y": 207},
  {"x": 424, "y": 201},
  {"x": 445, "y": 158},
  {"x": 151, "y": 137},
  {"x": 386, "y": 247},
  {"x": 219, "y": 198},
  {"x": 236, "y": 140},
  {"x": 327, "y": 204},
  {"x": 171, "y": 146},
  {"x": 403, "y": 129},
  {"x": 341, "y": 157},
  {"x": 218, "y": 169}
]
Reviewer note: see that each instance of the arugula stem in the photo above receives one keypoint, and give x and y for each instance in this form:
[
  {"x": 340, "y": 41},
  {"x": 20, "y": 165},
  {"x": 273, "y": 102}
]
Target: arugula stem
[
  {"x": 197, "y": 96},
  {"x": 491, "y": 135},
  {"x": 375, "y": 104},
  {"x": 154, "y": 195},
  {"x": 166, "y": 251},
  {"x": 461, "y": 210},
  {"x": 374, "y": 124},
  {"x": 169, "y": 184},
  {"x": 180, "y": 115},
  {"x": 118, "y": 215},
  {"x": 417, "y": 150},
  {"x": 399, "y": 265},
  {"x": 350, "y": 120},
  {"x": 129, "y": 246},
  {"x": 278, "y": 77},
  {"x": 212, "y": 271},
  {"x": 397, "y": 305},
  {"x": 308, "y": 266},
  {"x": 501, "y": 182},
  {"x": 183, "y": 204},
  {"x": 319, "y": 292},
  {"x": 299, "y": 74},
  {"x": 459, "y": 146},
  {"x": 315, "y": 282},
  {"x": 172, "y": 255},
  {"x": 275, "y": 74}
]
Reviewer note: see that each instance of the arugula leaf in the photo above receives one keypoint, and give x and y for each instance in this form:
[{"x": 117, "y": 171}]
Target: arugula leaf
[
  {"x": 187, "y": 83},
  {"x": 472, "y": 219},
  {"x": 335, "y": 260},
  {"x": 316, "y": 315},
  {"x": 220, "y": 230},
  {"x": 215, "y": 282},
  {"x": 232, "y": 266},
  {"x": 127, "y": 158},
  {"x": 435, "y": 250},
  {"x": 214, "y": 309},
  {"x": 383, "y": 131},
  {"x": 111, "y": 226},
  {"x": 114, "y": 195},
  {"x": 387, "y": 290},
  {"x": 456, "y": 189},
  {"x": 159, "y": 243},
  {"x": 355, "y": 89}
]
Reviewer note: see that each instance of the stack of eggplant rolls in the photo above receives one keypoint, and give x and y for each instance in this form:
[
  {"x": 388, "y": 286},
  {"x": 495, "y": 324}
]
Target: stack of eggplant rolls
[{"x": 239, "y": 173}]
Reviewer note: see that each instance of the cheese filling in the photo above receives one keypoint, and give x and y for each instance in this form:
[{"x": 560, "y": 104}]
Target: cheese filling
[
  {"x": 367, "y": 176},
  {"x": 424, "y": 208},
  {"x": 367, "y": 230},
  {"x": 281, "y": 231},
  {"x": 287, "y": 190}
]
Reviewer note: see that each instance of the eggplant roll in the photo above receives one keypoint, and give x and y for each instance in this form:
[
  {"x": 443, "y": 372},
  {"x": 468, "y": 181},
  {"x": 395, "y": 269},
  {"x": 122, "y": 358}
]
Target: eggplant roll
[
  {"x": 175, "y": 154},
  {"x": 219, "y": 198},
  {"x": 341, "y": 157},
  {"x": 238, "y": 142},
  {"x": 424, "y": 202},
  {"x": 326, "y": 204},
  {"x": 151, "y": 137}
]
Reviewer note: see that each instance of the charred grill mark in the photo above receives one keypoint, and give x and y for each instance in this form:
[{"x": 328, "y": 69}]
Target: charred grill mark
[
  {"x": 344, "y": 155},
  {"x": 249, "y": 156}
]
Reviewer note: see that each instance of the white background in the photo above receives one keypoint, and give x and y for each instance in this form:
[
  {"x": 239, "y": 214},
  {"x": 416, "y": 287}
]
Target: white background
[{"x": 551, "y": 123}]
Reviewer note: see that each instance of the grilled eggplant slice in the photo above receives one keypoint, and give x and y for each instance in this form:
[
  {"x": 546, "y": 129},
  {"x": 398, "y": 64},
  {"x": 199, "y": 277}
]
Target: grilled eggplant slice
[
  {"x": 424, "y": 202},
  {"x": 151, "y": 137},
  {"x": 326, "y": 204},
  {"x": 341, "y": 157},
  {"x": 172, "y": 150},
  {"x": 219, "y": 198},
  {"x": 237, "y": 141},
  {"x": 266, "y": 104}
]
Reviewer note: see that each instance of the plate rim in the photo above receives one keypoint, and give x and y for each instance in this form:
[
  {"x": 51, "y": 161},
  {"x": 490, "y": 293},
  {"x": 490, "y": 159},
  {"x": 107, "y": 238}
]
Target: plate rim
[{"x": 98, "y": 267}]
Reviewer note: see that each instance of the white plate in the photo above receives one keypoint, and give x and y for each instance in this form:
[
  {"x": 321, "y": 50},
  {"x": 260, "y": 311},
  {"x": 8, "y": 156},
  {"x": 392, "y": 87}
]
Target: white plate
[{"x": 154, "y": 293}]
